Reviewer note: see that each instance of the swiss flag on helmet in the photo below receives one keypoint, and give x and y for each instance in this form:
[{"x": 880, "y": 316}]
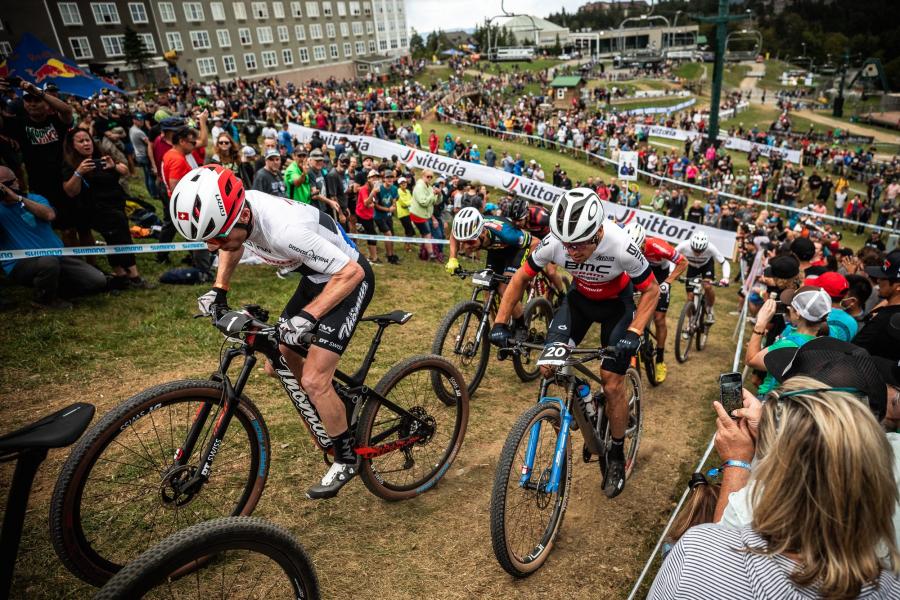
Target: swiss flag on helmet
[{"x": 183, "y": 216}]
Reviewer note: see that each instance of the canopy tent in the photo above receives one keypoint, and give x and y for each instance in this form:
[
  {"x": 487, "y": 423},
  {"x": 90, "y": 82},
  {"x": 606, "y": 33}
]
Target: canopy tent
[
  {"x": 33, "y": 61},
  {"x": 452, "y": 52}
]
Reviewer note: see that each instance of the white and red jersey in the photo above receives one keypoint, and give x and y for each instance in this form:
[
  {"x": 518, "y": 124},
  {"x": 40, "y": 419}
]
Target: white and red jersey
[
  {"x": 603, "y": 276},
  {"x": 660, "y": 254}
]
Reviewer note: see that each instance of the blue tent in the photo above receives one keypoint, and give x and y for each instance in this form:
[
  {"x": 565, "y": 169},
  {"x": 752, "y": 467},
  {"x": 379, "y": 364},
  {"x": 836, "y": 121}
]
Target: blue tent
[
  {"x": 452, "y": 52},
  {"x": 35, "y": 62}
]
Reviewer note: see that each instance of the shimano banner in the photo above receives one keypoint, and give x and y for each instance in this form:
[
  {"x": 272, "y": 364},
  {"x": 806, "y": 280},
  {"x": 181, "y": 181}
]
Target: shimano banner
[
  {"x": 672, "y": 230},
  {"x": 731, "y": 143}
]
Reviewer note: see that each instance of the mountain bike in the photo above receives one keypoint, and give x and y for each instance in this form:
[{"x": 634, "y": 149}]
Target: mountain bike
[
  {"x": 534, "y": 475},
  {"x": 692, "y": 323},
  {"x": 231, "y": 557},
  {"x": 193, "y": 450},
  {"x": 646, "y": 356},
  {"x": 462, "y": 336}
]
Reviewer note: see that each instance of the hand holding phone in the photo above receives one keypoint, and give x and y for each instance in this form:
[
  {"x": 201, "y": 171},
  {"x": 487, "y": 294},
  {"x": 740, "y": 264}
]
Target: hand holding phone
[{"x": 730, "y": 392}]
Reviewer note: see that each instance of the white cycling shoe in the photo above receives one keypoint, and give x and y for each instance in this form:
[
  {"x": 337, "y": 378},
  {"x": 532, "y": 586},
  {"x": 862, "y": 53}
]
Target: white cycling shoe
[{"x": 337, "y": 477}]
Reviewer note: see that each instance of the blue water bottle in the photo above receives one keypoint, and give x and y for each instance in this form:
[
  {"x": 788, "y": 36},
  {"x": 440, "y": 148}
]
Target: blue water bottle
[{"x": 583, "y": 392}]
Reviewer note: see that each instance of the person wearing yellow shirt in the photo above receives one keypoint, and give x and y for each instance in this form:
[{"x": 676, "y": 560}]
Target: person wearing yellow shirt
[{"x": 404, "y": 198}]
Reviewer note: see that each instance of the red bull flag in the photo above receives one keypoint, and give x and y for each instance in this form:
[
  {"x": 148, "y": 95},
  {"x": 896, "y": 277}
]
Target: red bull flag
[{"x": 33, "y": 61}]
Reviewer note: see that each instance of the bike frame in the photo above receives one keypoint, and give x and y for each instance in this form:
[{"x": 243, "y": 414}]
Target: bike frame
[{"x": 489, "y": 309}]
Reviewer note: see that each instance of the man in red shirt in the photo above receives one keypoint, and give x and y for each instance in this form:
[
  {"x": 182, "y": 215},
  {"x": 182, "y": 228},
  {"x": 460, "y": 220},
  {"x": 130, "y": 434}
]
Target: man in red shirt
[
  {"x": 184, "y": 155},
  {"x": 661, "y": 256},
  {"x": 365, "y": 210}
]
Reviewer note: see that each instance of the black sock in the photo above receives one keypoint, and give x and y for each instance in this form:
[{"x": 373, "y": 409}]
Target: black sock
[
  {"x": 660, "y": 354},
  {"x": 343, "y": 448},
  {"x": 617, "y": 449}
]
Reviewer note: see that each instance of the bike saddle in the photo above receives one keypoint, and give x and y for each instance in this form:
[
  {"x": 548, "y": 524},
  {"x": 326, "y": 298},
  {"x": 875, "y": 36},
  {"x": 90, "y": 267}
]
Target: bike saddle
[
  {"x": 58, "y": 430},
  {"x": 398, "y": 316}
]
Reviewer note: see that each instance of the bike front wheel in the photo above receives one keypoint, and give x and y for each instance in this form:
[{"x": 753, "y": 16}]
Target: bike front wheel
[
  {"x": 526, "y": 513},
  {"x": 119, "y": 491},
  {"x": 702, "y": 335},
  {"x": 684, "y": 332},
  {"x": 537, "y": 316},
  {"x": 233, "y": 557},
  {"x": 404, "y": 470},
  {"x": 458, "y": 341}
]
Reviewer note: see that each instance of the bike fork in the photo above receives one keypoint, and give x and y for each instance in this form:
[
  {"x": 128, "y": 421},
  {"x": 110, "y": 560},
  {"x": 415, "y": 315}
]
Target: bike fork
[{"x": 559, "y": 455}]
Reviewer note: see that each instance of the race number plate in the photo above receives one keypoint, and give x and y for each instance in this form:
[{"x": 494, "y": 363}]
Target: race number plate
[
  {"x": 554, "y": 355},
  {"x": 483, "y": 278}
]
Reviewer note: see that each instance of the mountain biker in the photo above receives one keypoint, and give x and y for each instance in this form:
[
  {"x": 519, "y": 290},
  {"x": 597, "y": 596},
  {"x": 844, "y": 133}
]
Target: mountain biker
[
  {"x": 210, "y": 204},
  {"x": 535, "y": 220},
  {"x": 505, "y": 243},
  {"x": 667, "y": 265},
  {"x": 702, "y": 258},
  {"x": 606, "y": 267}
]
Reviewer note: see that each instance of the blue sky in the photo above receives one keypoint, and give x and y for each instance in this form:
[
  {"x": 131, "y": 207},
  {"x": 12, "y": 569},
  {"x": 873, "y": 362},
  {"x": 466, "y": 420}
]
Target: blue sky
[{"x": 428, "y": 15}]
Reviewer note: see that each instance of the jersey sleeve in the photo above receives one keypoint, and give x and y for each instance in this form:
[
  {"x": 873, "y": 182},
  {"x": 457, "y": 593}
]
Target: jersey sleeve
[
  {"x": 540, "y": 257},
  {"x": 312, "y": 250},
  {"x": 635, "y": 264}
]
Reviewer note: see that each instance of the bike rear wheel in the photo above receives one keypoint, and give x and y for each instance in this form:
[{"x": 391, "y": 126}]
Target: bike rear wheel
[
  {"x": 115, "y": 496},
  {"x": 537, "y": 316},
  {"x": 525, "y": 517},
  {"x": 233, "y": 557},
  {"x": 684, "y": 332},
  {"x": 633, "y": 429},
  {"x": 461, "y": 325},
  {"x": 648, "y": 356},
  {"x": 407, "y": 472}
]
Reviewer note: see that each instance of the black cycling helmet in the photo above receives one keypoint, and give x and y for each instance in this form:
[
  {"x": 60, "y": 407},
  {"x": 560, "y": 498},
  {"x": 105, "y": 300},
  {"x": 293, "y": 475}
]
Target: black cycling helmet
[{"x": 518, "y": 209}]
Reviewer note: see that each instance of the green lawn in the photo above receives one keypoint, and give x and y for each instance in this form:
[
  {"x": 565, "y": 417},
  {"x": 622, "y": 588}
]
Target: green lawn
[
  {"x": 758, "y": 115},
  {"x": 432, "y": 75},
  {"x": 689, "y": 71},
  {"x": 538, "y": 64},
  {"x": 772, "y": 79},
  {"x": 630, "y": 103},
  {"x": 733, "y": 75}
]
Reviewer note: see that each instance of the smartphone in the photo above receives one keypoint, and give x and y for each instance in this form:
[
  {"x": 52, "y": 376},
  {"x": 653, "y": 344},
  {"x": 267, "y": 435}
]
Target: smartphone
[{"x": 730, "y": 391}]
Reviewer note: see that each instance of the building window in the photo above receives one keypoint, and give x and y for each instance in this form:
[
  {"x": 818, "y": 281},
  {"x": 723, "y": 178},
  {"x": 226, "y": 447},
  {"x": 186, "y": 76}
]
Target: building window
[
  {"x": 173, "y": 41},
  {"x": 206, "y": 66},
  {"x": 348, "y": 49},
  {"x": 367, "y": 9},
  {"x": 200, "y": 40},
  {"x": 372, "y": 46},
  {"x": 224, "y": 38},
  {"x": 240, "y": 11},
  {"x": 370, "y": 28},
  {"x": 269, "y": 60},
  {"x": 287, "y": 56},
  {"x": 244, "y": 36},
  {"x": 333, "y": 51},
  {"x": 149, "y": 42},
  {"x": 329, "y": 30},
  {"x": 278, "y": 10},
  {"x": 5, "y": 49},
  {"x": 315, "y": 31},
  {"x": 264, "y": 35},
  {"x": 357, "y": 28},
  {"x": 345, "y": 30},
  {"x": 382, "y": 44},
  {"x": 105, "y": 13},
  {"x": 319, "y": 52},
  {"x": 138, "y": 12},
  {"x": 259, "y": 10},
  {"x": 217, "y": 9},
  {"x": 326, "y": 9},
  {"x": 81, "y": 47},
  {"x": 354, "y": 9},
  {"x": 229, "y": 64},
  {"x": 284, "y": 35},
  {"x": 250, "y": 61},
  {"x": 304, "y": 55},
  {"x": 360, "y": 48},
  {"x": 295, "y": 10},
  {"x": 342, "y": 9},
  {"x": 312, "y": 9},
  {"x": 300, "y": 33},
  {"x": 193, "y": 12},
  {"x": 113, "y": 45},
  {"x": 166, "y": 12},
  {"x": 69, "y": 13}
]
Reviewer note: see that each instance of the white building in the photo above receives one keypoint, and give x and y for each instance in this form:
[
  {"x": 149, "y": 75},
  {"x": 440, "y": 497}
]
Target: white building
[
  {"x": 391, "y": 31},
  {"x": 536, "y": 31}
]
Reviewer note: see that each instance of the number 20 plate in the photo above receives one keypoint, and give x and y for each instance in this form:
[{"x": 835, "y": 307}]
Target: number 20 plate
[{"x": 554, "y": 355}]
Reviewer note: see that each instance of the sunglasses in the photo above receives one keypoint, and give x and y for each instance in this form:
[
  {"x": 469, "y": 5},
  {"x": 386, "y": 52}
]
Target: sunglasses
[
  {"x": 9, "y": 181},
  {"x": 580, "y": 245},
  {"x": 224, "y": 143}
]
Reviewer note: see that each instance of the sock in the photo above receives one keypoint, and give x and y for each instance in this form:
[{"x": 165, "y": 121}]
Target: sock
[
  {"x": 617, "y": 450},
  {"x": 660, "y": 355},
  {"x": 343, "y": 449}
]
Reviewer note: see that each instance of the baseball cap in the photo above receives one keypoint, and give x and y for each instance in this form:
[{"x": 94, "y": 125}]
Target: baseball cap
[
  {"x": 373, "y": 173},
  {"x": 317, "y": 155},
  {"x": 889, "y": 269},
  {"x": 834, "y": 284},
  {"x": 835, "y": 363},
  {"x": 172, "y": 123},
  {"x": 138, "y": 116},
  {"x": 300, "y": 151},
  {"x": 803, "y": 248},
  {"x": 783, "y": 267},
  {"x": 401, "y": 180},
  {"x": 161, "y": 115},
  {"x": 811, "y": 303},
  {"x": 271, "y": 152},
  {"x": 248, "y": 151}
]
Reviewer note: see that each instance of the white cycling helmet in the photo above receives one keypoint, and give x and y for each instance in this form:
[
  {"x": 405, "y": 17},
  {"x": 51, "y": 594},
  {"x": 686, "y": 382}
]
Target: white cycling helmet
[
  {"x": 467, "y": 224},
  {"x": 637, "y": 233},
  {"x": 206, "y": 202},
  {"x": 699, "y": 241},
  {"x": 577, "y": 216}
]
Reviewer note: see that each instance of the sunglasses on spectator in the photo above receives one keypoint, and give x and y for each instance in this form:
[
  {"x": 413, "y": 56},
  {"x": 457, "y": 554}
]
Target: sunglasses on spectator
[
  {"x": 9, "y": 181},
  {"x": 225, "y": 142}
]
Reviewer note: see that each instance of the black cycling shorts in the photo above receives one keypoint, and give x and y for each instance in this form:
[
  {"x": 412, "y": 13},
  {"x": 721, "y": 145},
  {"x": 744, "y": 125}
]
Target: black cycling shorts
[
  {"x": 335, "y": 328},
  {"x": 662, "y": 305},
  {"x": 504, "y": 260},
  {"x": 577, "y": 313},
  {"x": 704, "y": 271},
  {"x": 385, "y": 225}
]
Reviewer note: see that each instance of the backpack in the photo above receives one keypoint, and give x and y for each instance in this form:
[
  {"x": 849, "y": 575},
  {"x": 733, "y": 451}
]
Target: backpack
[{"x": 185, "y": 276}]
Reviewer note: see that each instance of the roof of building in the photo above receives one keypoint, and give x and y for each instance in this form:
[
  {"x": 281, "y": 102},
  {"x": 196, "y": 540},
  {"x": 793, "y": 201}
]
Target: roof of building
[
  {"x": 529, "y": 23},
  {"x": 566, "y": 81}
]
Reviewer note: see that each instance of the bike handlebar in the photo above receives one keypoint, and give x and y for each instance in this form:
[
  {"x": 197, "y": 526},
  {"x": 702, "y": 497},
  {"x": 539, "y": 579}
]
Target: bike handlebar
[
  {"x": 701, "y": 279},
  {"x": 462, "y": 274}
]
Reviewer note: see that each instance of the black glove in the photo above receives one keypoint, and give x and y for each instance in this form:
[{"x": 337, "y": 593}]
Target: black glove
[
  {"x": 500, "y": 335},
  {"x": 629, "y": 344},
  {"x": 214, "y": 302}
]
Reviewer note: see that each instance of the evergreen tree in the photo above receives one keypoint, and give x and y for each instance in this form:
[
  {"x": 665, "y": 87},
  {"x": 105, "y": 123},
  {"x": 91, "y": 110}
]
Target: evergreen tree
[
  {"x": 416, "y": 44},
  {"x": 136, "y": 52}
]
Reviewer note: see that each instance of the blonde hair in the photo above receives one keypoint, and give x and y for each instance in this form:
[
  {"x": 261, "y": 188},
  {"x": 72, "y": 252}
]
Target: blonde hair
[{"x": 827, "y": 492}]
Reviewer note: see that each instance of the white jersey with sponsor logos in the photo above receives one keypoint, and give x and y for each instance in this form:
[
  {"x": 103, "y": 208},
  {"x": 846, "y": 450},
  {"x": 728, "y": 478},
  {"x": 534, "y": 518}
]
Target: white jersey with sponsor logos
[
  {"x": 697, "y": 260},
  {"x": 607, "y": 272},
  {"x": 294, "y": 235}
]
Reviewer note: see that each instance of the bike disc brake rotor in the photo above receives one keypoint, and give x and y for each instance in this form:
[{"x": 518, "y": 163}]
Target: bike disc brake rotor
[
  {"x": 542, "y": 497},
  {"x": 422, "y": 424}
]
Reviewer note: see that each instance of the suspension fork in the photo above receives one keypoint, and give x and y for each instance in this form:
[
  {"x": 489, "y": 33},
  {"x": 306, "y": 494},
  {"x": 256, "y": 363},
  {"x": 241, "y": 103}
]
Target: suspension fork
[{"x": 559, "y": 455}]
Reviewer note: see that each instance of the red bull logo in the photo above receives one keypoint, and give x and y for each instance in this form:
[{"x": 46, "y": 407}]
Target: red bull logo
[{"x": 54, "y": 68}]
